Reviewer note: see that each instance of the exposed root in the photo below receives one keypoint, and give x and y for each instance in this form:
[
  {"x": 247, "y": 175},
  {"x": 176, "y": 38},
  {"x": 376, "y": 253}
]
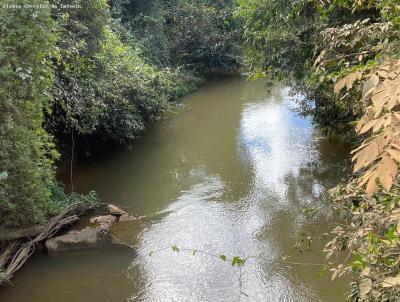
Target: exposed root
[{"x": 19, "y": 246}]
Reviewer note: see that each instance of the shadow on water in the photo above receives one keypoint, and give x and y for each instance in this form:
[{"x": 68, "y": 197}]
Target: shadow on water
[{"x": 230, "y": 172}]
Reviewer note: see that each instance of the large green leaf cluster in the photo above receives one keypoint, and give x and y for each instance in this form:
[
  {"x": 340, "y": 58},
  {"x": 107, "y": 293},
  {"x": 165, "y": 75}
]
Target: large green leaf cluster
[
  {"x": 26, "y": 150},
  {"x": 104, "y": 82}
]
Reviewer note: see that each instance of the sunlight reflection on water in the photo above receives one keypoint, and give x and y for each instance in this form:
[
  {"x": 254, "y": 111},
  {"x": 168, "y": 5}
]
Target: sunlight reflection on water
[{"x": 229, "y": 174}]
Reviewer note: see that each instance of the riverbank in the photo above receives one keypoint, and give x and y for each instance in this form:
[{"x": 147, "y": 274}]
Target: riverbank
[
  {"x": 94, "y": 70},
  {"x": 56, "y": 236}
]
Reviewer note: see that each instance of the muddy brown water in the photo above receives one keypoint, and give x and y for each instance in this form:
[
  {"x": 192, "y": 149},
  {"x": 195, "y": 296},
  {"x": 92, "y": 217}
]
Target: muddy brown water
[{"x": 229, "y": 173}]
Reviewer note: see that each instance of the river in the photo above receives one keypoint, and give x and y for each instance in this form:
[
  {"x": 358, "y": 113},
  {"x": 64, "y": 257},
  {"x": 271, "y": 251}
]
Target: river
[{"x": 230, "y": 172}]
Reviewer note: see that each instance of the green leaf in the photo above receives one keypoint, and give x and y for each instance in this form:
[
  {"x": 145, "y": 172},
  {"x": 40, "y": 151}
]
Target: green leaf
[
  {"x": 237, "y": 260},
  {"x": 391, "y": 233},
  {"x": 223, "y": 257},
  {"x": 175, "y": 248}
]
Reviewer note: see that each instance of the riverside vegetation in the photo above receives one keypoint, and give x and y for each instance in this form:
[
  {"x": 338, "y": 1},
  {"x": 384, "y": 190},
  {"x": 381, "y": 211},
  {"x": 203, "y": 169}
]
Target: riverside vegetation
[
  {"x": 344, "y": 55},
  {"x": 109, "y": 68},
  {"x": 104, "y": 70},
  {"x": 93, "y": 69}
]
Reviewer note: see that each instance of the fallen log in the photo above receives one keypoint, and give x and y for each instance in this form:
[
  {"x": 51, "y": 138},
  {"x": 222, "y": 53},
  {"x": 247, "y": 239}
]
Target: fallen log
[
  {"x": 13, "y": 234},
  {"x": 8, "y": 252},
  {"x": 18, "y": 251}
]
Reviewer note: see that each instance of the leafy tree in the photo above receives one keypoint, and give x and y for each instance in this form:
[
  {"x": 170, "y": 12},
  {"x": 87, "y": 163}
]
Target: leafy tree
[
  {"x": 26, "y": 150},
  {"x": 205, "y": 35},
  {"x": 279, "y": 37},
  {"x": 146, "y": 22},
  {"x": 104, "y": 86},
  {"x": 198, "y": 34},
  {"x": 77, "y": 103}
]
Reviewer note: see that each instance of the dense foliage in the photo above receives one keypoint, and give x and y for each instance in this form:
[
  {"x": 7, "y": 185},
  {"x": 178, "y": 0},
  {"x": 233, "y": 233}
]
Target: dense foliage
[
  {"x": 99, "y": 69},
  {"x": 104, "y": 86},
  {"x": 26, "y": 150},
  {"x": 119, "y": 66},
  {"x": 279, "y": 36},
  {"x": 284, "y": 40},
  {"x": 198, "y": 34},
  {"x": 344, "y": 55}
]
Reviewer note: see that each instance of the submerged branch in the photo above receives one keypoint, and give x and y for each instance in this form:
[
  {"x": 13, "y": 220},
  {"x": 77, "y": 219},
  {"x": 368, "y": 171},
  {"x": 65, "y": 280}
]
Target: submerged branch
[{"x": 20, "y": 245}]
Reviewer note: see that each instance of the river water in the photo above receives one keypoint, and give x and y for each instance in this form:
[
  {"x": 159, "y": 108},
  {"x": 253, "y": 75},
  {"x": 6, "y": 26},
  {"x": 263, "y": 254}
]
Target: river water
[{"x": 231, "y": 172}]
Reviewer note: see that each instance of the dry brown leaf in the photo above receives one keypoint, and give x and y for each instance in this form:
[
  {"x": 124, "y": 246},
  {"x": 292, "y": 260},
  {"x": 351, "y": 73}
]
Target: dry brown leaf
[
  {"x": 378, "y": 124},
  {"x": 365, "y": 287},
  {"x": 395, "y": 154},
  {"x": 367, "y": 127},
  {"x": 387, "y": 172},
  {"x": 391, "y": 132},
  {"x": 387, "y": 121},
  {"x": 365, "y": 156},
  {"x": 372, "y": 186},
  {"x": 393, "y": 74},
  {"x": 379, "y": 155},
  {"x": 365, "y": 178},
  {"x": 391, "y": 281},
  {"x": 367, "y": 92},
  {"x": 395, "y": 144},
  {"x": 395, "y": 215},
  {"x": 348, "y": 81},
  {"x": 382, "y": 73},
  {"x": 320, "y": 58},
  {"x": 397, "y": 115},
  {"x": 368, "y": 115},
  {"x": 392, "y": 101},
  {"x": 339, "y": 85},
  {"x": 374, "y": 79}
]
